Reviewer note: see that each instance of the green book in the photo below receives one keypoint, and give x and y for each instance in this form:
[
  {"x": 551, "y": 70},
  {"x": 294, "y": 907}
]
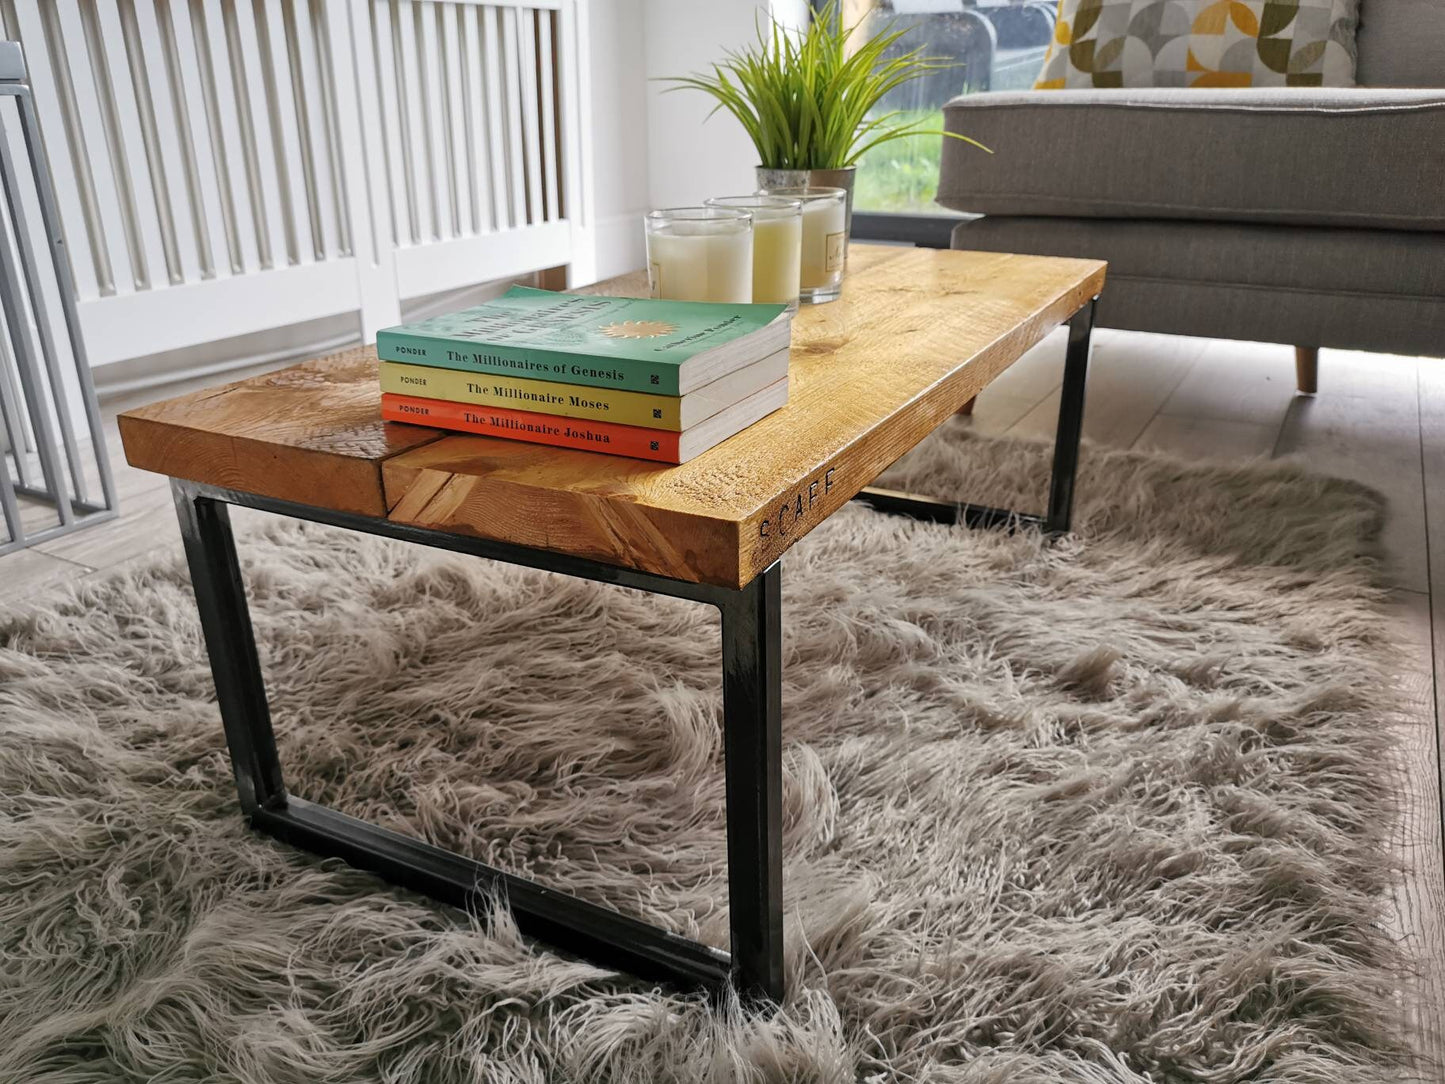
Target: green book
[{"x": 637, "y": 344}]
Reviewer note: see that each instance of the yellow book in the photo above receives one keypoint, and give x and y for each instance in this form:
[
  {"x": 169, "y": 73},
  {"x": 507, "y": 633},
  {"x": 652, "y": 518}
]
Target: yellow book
[{"x": 674, "y": 413}]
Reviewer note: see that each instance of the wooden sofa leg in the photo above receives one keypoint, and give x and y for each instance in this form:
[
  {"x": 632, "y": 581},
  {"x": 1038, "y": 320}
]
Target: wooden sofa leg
[
  {"x": 1307, "y": 369},
  {"x": 967, "y": 408}
]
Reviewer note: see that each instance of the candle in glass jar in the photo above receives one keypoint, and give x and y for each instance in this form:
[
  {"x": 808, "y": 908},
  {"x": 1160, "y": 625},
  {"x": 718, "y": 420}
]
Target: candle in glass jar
[
  {"x": 700, "y": 254},
  {"x": 777, "y": 244},
  {"x": 825, "y": 241}
]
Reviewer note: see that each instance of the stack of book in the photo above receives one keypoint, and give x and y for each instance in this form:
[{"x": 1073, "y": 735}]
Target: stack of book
[{"x": 662, "y": 380}]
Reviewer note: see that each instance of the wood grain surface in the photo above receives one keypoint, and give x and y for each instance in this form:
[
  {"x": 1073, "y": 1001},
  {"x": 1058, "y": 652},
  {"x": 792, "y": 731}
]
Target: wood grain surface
[
  {"x": 311, "y": 433},
  {"x": 916, "y": 334}
]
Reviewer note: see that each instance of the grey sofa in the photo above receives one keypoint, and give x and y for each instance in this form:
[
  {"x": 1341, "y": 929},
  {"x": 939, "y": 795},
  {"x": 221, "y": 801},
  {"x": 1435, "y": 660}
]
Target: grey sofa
[{"x": 1309, "y": 217}]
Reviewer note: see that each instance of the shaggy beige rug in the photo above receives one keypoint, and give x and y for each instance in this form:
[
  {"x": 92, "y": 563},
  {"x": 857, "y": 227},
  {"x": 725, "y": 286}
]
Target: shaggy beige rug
[{"x": 1113, "y": 810}]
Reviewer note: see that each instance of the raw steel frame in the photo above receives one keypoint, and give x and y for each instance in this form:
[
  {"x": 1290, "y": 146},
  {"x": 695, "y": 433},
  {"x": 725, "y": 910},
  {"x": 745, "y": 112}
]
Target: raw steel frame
[{"x": 752, "y": 726}]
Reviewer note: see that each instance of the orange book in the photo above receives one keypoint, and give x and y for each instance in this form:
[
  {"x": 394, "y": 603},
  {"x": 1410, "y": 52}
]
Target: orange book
[{"x": 631, "y": 440}]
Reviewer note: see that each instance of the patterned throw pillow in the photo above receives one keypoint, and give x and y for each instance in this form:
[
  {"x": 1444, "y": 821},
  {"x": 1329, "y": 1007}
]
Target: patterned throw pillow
[{"x": 1202, "y": 43}]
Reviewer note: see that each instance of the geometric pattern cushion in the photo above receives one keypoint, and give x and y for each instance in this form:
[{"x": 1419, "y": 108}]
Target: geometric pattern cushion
[{"x": 1203, "y": 43}]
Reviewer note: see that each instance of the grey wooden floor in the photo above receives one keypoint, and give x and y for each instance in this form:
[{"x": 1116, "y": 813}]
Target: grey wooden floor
[{"x": 1378, "y": 420}]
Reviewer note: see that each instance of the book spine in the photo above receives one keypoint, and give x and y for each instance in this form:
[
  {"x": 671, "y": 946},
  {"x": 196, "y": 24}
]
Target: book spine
[
  {"x": 605, "y": 437},
  {"x": 537, "y": 396},
  {"x": 624, "y": 374}
]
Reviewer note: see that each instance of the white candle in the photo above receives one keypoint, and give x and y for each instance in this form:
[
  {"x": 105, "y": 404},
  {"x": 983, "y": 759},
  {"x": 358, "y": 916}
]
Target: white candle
[
  {"x": 700, "y": 254},
  {"x": 777, "y": 245},
  {"x": 824, "y": 244},
  {"x": 825, "y": 240},
  {"x": 777, "y": 258}
]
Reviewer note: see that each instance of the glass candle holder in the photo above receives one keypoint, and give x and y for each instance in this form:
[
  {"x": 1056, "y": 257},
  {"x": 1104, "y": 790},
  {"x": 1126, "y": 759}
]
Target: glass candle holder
[
  {"x": 825, "y": 241},
  {"x": 777, "y": 245},
  {"x": 700, "y": 254}
]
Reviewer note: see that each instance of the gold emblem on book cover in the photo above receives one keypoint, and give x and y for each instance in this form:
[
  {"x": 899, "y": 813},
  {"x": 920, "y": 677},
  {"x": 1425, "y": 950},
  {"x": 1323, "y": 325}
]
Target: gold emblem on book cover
[{"x": 638, "y": 329}]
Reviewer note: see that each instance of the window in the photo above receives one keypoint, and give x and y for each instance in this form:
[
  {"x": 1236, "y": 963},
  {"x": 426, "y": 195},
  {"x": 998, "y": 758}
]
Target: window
[{"x": 995, "y": 44}]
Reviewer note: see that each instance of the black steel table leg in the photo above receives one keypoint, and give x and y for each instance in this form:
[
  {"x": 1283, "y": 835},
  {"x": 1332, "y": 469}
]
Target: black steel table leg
[
  {"x": 1066, "y": 458},
  {"x": 231, "y": 645},
  {"x": 1071, "y": 421},
  {"x": 752, "y": 736},
  {"x": 752, "y": 740}
]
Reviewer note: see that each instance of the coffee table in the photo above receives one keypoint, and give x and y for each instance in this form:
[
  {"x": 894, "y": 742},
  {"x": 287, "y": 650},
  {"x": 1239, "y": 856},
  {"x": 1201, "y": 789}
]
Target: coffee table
[{"x": 916, "y": 335}]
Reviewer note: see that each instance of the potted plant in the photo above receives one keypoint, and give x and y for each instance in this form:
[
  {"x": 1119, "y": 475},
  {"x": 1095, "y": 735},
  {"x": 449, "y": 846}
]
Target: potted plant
[{"x": 806, "y": 99}]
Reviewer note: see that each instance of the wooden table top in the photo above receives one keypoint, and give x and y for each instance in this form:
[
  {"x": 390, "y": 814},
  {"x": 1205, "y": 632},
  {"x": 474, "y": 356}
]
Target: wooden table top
[{"x": 916, "y": 334}]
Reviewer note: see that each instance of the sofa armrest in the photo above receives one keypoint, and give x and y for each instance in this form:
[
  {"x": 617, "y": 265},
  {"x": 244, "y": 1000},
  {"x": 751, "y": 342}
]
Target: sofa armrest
[{"x": 1342, "y": 157}]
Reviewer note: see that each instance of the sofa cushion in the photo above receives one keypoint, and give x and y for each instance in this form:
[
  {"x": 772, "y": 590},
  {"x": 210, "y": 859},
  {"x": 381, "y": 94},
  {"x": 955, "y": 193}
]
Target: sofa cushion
[
  {"x": 1402, "y": 43},
  {"x": 1371, "y": 158},
  {"x": 1381, "y": 290},
  {"x": 1202, "y": 43}
]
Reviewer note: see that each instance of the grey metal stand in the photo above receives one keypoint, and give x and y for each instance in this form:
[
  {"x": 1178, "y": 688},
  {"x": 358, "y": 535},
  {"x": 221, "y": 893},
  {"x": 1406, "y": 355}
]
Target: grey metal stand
[{"x": 62, "y": 483}]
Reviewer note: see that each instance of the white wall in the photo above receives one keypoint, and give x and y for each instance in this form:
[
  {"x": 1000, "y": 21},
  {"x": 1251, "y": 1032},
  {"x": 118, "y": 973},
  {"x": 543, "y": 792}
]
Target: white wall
[
  {"x": 619, "y": 133},
  {"x": 792, "y": 13},
  {"x": 653, "y": 148},
  {"x": 691, "y": 157}
]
